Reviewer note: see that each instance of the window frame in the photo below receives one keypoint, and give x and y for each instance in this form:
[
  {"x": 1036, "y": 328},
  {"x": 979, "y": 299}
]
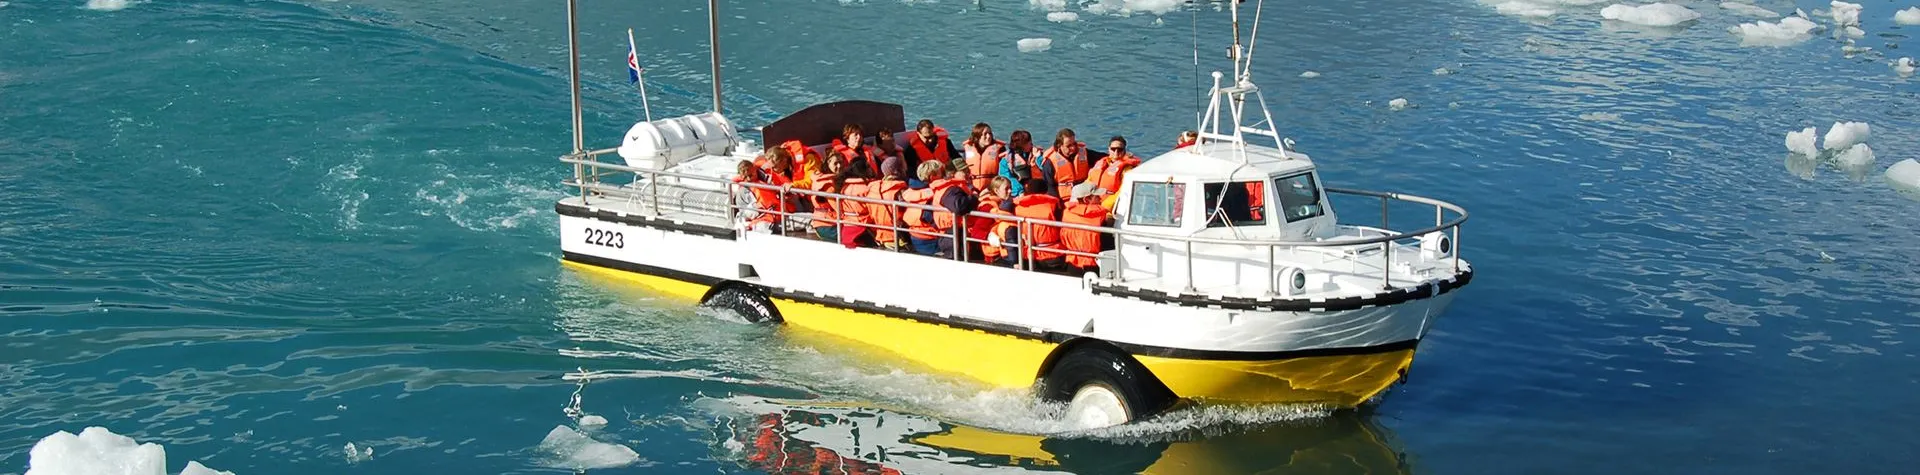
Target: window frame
[
  {"x": 1319, "y": 196},
  {"x": 1208, "y": 204},
  {"x": 1175, "y": 202}
]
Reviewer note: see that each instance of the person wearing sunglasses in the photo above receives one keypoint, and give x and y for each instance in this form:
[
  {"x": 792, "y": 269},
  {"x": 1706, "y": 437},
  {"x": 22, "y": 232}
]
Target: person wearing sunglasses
[{"x": 1111, "y": 170}]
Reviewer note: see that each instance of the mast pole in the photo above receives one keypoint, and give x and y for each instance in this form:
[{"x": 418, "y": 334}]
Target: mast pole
[
  {"x": 573, "y": 78},
  {"x": 713, "y": 40}
]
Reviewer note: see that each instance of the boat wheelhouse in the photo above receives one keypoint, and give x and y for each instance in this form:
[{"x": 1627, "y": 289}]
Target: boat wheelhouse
[{"x": 1230, "y": 277}]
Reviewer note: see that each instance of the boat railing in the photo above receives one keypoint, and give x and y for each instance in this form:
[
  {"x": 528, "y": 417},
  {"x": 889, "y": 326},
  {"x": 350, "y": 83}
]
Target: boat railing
[{"x": 646, "y": 186}]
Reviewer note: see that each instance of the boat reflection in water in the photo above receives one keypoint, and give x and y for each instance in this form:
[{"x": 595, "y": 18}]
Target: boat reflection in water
[{"x": 779, "y": 436}]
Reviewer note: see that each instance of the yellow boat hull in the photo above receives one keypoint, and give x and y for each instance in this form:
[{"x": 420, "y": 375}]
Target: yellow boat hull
[{"x": 1009, "y": 361}]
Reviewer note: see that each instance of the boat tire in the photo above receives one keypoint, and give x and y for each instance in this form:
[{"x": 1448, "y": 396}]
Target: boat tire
[
  {"x": 747, "y": 301},
  {"x": 1103, "y": 386}
]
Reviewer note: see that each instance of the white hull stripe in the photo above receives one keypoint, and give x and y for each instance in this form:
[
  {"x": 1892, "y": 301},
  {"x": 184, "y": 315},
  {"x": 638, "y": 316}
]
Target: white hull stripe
[{"x": 1396, "y": 296}]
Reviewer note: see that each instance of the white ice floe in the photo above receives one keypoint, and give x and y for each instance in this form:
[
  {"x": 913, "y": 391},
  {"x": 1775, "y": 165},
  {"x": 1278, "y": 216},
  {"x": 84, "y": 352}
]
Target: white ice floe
[
  {"x": 1787, "y": 31},
  {"x": 98, "y": 451},
  {"x": 1855, "y": 32},
  {"x": 1910, "y": 16},
  {"x": 1399, "y": 103},
  {"x": 1845, "y": 134},
  {"x": 1600, "y": 117},
  {"x": 107, "y": 5},
  {"x": 1442, "y": 71},
  {"x": 1049, "y": 5},
  {"x": 592, "y": 421},
  {"x": 574, "y": 450},
  {"x": 1855, "y": 157},
  {"x": 1525, "y": 9},
  {"x": 1310, "y": 74},
  {"x": 1903, "y": 66},
  {"x": 1062, "y": 17},
  {"x": 358, "y": 454},
  {"x": 1845, "y": 14},
  {"x": 1656, "y": 14},
  {"x": 1905, "y": 175},
  {"x": 1801, "y": 143},
  {"x": 1749, "y": 9},
  {"x": 1129, "y": 7},
  {"x": 1034, "y": 45}
]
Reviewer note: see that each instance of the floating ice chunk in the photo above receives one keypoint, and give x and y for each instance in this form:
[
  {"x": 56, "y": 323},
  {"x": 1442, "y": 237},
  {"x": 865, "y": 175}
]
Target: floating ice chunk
[
  {"x": 107, "y": 5},
  {"x": 1399, "y": 103},
  {"x": 1749, "y": 9},
  {"x": 574, "y": 450},
  {"x": 1851, "y": 50},
  {"x": 1801, "y": 143},
  {"x": 1910, "y": 16},
  {"x": 1845, "y": 134},
  {"x": 1600, "y": 117},
  {"x": 1525, "y": 9},
  {"x": 1855, "y": 32},
  {"x": 1905, "y": 175},
  {"x": 1857, "y": 156},
  {"x": 593, "y": 421},
  {"x": 1062, "y": 17},
  {"x": 1903, "y": 66},
  {"x": 1310, "y": 74},
  {"x": 1129, "y": 7},
  {"x": 1845, "y": 14},
  {"x": 1034, "y": 45},
  {"x": 98, "y": 451},
  {"x": 357, "y": 454},
  {"x": 1049, "y": 5},
  {"x": 1787, "y": 31},
  {"x": 195, "y": 468},
  {"x": 1656, "y": 14},
  {"x": 1442, "y": 71}
]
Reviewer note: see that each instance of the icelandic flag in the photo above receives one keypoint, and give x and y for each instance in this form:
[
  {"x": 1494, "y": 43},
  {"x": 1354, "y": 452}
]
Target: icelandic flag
[{"x": 633, "y": 60}]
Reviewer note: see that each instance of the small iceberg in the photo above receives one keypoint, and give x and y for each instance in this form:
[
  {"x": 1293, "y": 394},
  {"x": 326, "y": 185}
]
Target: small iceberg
[
  {"x": 1749, "y": 9},
  {"x": 1398, "y": 103},
  {"x": 1063, "y": 17},
  {"x": 1525, "y": 9},
  {"x": 1903, "y": 66},
  {"x": 1310, "y": 74},
  {"x": 107, "y": 5},
  {"x": 1801, "y": 143},
  {"x": 1656, "y": 14},
  {"x": 1845, "y": 14},
  {"x": 1846, "y": 134},
  {"x": 571, "y": 449},
  {"x": 1910, "y": 16},
  {"x": 1856, "y": 161},
  {"x": 1787, "y": 31},
  {"x": 1905, "y": 176},
  {"x": 98, "y": 451},
  {"x": 1034, "y": 45}
]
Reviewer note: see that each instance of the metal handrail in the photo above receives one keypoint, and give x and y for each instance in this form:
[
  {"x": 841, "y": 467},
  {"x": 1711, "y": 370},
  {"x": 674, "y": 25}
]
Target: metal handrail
[{"x": 589, "y": 172}]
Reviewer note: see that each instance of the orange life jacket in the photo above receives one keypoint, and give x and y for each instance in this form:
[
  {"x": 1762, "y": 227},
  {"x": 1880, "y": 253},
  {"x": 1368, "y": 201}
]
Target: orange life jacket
[
  {"x": 806, "y": 163},
  {"x": 823, "y": 208},
  {"x": 767, "y": 200},
  {"x": 884, "y": 217},
  {"x": 983, "y": 226},
  {"x": 1111, "y": 171},
  {"x": 1257, "y": 199},
  {"x": 1077, "y": 240},
  {"x": 942, "y": 220},
  {"x": 1068, "y": 170},
  {"x": 1039, "y": 236},
  {"x": 934, "y": 151},
  {"x": 853, "y": 212},
  {"x": 984, "y": 164},
  {"x": 847, "y": 155}
]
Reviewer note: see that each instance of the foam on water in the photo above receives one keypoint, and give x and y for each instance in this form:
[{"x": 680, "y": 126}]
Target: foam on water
[
  {"x": 1910, "y": 16},
  {"x": 1845, "y": 14},
  {"x": 1787, "y": 31},
  {"x": 1749, "y": 9},
  {"x": 1801, "y": 143},
  {"x": 570, "y": 449},
  {"x": 107, "y": 5},
  {"x": 1656, "y": 14},
  {"x": 1034, "y": 45},
  {"x": 1845, "y": 134},
  {"x": 98, "y": 451}
]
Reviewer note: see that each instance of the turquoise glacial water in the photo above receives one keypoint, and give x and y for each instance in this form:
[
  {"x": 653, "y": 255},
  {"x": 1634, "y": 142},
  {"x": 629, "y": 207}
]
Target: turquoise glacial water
[{"x": 258, "y": 231}]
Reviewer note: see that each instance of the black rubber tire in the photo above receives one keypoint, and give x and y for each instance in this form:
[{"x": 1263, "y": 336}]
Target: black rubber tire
[
  {"x": 749, "y": 302},
  {"x": 1088, "y": 364}
]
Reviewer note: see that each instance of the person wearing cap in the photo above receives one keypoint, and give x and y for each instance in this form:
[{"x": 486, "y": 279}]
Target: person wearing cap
[{"x": 1085, "y": 210}]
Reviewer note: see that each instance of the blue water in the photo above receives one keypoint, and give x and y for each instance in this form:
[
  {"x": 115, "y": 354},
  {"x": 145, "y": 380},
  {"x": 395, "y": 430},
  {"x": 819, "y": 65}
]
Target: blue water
[{"x": 256, "y": 231}]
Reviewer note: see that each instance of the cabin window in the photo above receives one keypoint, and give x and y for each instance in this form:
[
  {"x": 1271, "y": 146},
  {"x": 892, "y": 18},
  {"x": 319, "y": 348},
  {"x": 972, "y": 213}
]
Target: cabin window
[
  {"x": 1240, "y": 203},
  {"x": 1299, "y": 197},
  {"x": 1157, "y": 204}
]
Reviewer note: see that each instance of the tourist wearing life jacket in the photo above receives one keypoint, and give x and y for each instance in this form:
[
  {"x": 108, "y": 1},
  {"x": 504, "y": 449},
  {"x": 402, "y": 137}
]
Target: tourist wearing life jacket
[
  {"x": 983, "y": 155},
  {"x": 929, "y": 142},
  {"x": 851, "y": 147},
  {"x": 1021, "y": 162},
  {"x": 854, "y": 218},
  {"x": 824, "y": 211},
  {"x": 768, "y": 206},
  {"x": 930, "y": 231},
  {"x": 889, "y": 186},
  {"x": 1084, "y": 210},
  {"x": 1110, "y": 172},
  {"x": 1067, "y": 159},
  {"x": 1187, "y": 138},
  {"x": 805, "y": 162},
  {"x": 997, "y": 199},
  {"x": 1041, "y": 240}
]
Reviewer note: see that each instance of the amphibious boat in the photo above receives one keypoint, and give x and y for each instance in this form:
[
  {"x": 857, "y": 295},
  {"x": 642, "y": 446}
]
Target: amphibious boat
[{"x": 1277, "y": 301}]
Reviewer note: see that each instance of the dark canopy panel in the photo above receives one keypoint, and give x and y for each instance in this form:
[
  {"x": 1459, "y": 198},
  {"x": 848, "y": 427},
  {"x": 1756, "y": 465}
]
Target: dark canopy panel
[{"x": 821, "y": 123}]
